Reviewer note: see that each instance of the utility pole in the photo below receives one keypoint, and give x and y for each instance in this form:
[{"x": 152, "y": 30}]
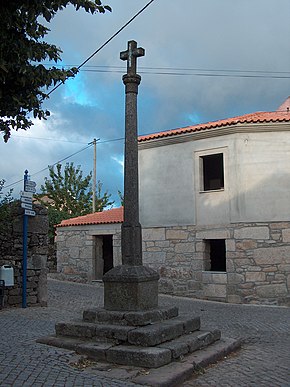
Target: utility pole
[{"x": 94, "y": 142}]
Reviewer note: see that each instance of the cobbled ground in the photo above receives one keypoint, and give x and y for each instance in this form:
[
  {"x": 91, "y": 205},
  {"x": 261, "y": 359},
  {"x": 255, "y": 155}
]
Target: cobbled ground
[{"x": 264, "y": 359}]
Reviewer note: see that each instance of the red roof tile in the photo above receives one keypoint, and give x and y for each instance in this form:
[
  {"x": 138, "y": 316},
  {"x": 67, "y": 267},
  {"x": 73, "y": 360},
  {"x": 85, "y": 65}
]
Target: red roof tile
[
  {"x": 252, "y": 118},
  {"x": 115, "y": 215}
]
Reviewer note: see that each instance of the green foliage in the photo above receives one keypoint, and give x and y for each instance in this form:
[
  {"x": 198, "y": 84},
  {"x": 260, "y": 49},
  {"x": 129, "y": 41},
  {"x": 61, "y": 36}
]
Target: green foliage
[
  {"x": 23, "y": 79},
  {"x": 121, "y": 197},
  {"x": 6, "y": 207},
  {"x": 67, "y": 194},
  {"x": 102, "y": 200}
]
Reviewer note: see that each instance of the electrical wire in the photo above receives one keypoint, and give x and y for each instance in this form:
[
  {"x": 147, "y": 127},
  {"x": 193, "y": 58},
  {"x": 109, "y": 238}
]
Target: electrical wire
[
  {"x": 193, "y": 71},
  {"x": 106, "y": 42},
  {"x": 72, "y": 142},
  {"x": 48, "y": 139},
  {"x": 52, "y": 165},
  {"x": 196, "y": 74},
  {"x": 65, "y": 158}
]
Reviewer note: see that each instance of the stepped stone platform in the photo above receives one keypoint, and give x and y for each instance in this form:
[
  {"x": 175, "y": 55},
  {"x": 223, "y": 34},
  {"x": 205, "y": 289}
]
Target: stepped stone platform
[{"x": 149, "y": 339}]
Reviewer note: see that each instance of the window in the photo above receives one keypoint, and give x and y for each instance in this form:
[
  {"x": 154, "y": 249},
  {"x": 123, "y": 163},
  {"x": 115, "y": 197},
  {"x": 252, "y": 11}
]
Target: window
[
  {"x": 213, "y": 172},
  {"x": 215, "y": 255}
]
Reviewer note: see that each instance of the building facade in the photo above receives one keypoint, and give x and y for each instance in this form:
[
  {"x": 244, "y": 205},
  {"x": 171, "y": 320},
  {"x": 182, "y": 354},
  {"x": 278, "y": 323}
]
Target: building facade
[
  {"x": 215, "y": 208},
  {"x": 88, "y": 246}
]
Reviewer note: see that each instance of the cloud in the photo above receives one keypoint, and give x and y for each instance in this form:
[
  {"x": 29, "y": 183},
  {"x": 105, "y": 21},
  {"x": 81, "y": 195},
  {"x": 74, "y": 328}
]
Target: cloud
[{"x": 202, "y": 34}]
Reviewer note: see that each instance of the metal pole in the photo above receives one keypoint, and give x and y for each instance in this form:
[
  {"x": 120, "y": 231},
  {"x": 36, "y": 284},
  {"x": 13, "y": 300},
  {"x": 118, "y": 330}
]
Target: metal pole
[
  {"x": 95, "y": 175},
  {"x": 94, "y": 142},
  {"x": 24, "y": 261}
]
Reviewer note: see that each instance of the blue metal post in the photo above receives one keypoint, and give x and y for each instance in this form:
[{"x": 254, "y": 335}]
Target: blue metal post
[{"x": 24, "y": 261}]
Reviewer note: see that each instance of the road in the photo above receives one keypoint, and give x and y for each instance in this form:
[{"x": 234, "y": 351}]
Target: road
[{"x": 264, "y": 359}]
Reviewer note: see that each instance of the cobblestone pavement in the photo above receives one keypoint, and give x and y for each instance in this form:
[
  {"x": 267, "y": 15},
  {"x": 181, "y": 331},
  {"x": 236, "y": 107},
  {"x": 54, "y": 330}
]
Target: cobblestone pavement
[{"x": 264, "y": 359}]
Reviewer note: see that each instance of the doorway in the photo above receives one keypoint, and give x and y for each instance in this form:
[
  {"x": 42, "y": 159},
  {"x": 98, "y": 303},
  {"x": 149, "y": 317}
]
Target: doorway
[{"x": 103, "y": 255}]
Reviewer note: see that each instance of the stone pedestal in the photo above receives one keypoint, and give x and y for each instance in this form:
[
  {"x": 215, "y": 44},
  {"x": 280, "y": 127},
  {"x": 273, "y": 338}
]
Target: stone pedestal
[
  {"x": 151, "y": 339},
  {"x": 130, "y": 288}
]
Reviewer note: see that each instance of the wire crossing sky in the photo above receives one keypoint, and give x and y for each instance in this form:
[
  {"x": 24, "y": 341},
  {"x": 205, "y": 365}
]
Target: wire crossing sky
[
  {"x": 107, "y": 42},
  {"x": 204, "y": 61}
]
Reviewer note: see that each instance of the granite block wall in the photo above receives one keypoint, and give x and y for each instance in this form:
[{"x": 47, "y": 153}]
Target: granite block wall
[
  {"x": 257, "y": 262},
  {"x": 11, "y": 253}
]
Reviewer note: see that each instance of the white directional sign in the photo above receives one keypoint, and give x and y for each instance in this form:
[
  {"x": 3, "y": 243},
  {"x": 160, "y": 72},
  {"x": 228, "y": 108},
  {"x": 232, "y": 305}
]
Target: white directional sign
[
  {"x": 26, "y": 206},
  {"x": 29, "y": 213},
  {"x": 30, "y": 183},
  {"x": 29, "y": 186},
  {"x": 24, "y": 199},
  {"x": 30, "y": 189},
  {"x": 26, "y": 194}
]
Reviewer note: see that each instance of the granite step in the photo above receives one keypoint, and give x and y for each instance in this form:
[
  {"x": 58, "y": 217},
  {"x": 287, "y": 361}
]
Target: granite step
[
  {"x": 152, "y": 335},
  {"x": 101, "y": 315},
  {"x": 147, "y": 336},
  {"x": 177, "y": 372},
  {"x": 191, "y": 342},
  {"x": 148, "y": 357}
]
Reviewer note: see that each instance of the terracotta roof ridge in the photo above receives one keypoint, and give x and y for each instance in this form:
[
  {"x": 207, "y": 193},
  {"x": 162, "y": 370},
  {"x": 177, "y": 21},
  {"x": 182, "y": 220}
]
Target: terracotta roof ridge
[
  {"x": 260, "y": 116},
  {"x": 113, "y": 215}
]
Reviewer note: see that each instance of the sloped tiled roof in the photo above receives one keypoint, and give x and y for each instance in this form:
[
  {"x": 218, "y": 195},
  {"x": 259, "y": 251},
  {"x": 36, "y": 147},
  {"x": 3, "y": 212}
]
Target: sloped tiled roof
[
  {"x": 115, "y": 215},
  {"x": 285, "y": 105},
  {"x": 252, "y": 118}
]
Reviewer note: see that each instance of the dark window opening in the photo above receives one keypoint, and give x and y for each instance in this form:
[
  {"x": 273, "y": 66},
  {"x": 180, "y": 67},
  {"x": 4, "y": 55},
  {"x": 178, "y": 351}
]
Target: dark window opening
[
  {"x": 215, "y": 255},
  {"x": 108, "y": 252},
  {"x": 213, "y": 172}
]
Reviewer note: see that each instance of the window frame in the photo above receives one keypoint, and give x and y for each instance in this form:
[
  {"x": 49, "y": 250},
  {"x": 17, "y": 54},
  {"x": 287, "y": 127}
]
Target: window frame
[
  {"x": 208, "y": 263},
  {"x": 205, "y": 178},
  {"x": 199, "y": 175}
]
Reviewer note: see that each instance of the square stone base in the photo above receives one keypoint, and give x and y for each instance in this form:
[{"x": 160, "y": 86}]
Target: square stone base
[{"x": 130, "y": 288}]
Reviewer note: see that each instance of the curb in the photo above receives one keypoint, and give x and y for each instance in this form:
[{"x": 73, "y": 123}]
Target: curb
[{"x": 173, "y": 374}]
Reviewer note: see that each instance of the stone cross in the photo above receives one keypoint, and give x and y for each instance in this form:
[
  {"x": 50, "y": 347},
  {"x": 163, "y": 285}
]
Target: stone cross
[
  {"x": 131, "y": 228},
  {"x": 131, "y": 56},
  {"x": 131, "y": 286}
]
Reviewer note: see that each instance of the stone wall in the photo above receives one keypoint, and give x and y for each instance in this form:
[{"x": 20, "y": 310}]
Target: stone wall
[
  {"x": 11, "y": 253},
  {"x": 257, "y": 261},
  {"x": 51, "y": 258},
  {"x": 76, "y": 254}
]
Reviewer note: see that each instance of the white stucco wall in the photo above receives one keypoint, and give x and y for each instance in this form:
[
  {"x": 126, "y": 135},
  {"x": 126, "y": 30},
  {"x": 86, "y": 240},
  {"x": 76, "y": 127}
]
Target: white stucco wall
[{"x": 256, "y": 174}]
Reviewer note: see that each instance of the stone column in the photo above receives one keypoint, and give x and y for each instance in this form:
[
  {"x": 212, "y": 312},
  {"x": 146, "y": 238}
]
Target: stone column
[{"x": 131, "y": 286}]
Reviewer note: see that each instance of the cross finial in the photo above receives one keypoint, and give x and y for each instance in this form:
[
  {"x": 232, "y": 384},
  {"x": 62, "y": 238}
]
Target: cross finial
[{"x": 131, "y": 56}]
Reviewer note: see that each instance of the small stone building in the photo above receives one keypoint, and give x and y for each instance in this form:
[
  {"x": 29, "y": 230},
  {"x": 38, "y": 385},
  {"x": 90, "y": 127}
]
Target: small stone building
[
  {"x": 214, "y": 209},
  {"x": 89, "y": 246}
]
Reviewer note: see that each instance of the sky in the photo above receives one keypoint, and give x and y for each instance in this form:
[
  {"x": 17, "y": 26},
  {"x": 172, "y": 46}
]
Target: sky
[{"x": 204, "y": 60}]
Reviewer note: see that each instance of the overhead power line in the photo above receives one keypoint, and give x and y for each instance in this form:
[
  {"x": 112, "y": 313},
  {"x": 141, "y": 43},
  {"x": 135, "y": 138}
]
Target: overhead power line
[
  {"x": 52, "y": 165},
  {"x": 73, "y": 142},
  {"x": 199, "y": 72},
  {"x": 65, "y": 158},
  {"x": 95, "y": 67},
  {"x": 107, "y": 41}
]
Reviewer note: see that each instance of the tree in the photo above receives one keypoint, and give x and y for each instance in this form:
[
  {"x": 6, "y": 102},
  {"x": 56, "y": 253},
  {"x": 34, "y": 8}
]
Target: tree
[
  {"x": 23, "y": 79},
  {"x": 121, "y": 197},
  {"x": 5, "y": 207},
  {"x": 68, "y": 194}
]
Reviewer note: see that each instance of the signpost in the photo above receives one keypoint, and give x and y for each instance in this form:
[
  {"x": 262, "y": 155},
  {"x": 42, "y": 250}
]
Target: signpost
[
  {"x": 26, "y": 197},
  {"x": 29, "y": 213},
  {"x": 26, "y": 206}
]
